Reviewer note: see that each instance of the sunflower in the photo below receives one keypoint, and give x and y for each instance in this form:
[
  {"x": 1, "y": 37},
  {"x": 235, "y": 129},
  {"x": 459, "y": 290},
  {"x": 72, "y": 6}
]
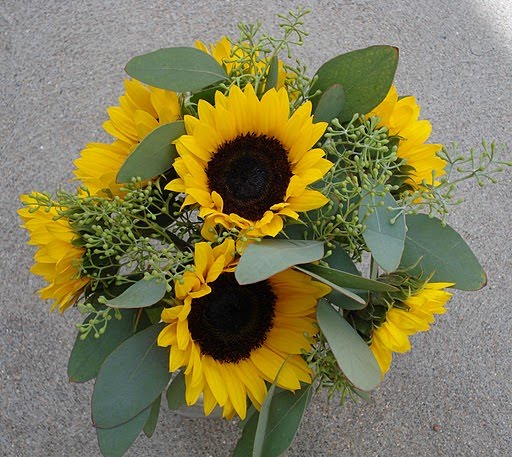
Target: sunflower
[
  {"x": 227, "y": 55},
  {"x": 232, "y": 338},
  {"x": 142, "y": 109},
  {"x": 392, "y": 335},
  {"x": 400, "y": 116},
  {"x": 57, "y": 257},
  {"x": 247, "y": 164}
]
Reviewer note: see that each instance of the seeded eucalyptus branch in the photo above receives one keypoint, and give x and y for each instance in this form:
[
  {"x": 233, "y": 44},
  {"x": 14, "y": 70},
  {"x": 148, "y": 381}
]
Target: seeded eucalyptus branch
[
  {"x": 436, "y": 200},
  {"x": 254, "y": 52},
  {"x": 98, "y": 321},
  {"x": 365, "y": 163},
  {"x": 142, "y": 234}
]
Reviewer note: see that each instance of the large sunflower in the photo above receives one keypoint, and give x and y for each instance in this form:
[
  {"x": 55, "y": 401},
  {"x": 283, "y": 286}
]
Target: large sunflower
[
  {"x": 392, "y": 335},
  {"x": 232, "y": 338},
  {"x": 229, "y": 56},
  {"x": 247, "y": 164},
  {"x": 141, "y": 109},
  {"x": 57, "y": 258},
  {"x": 400, "y": 116}
]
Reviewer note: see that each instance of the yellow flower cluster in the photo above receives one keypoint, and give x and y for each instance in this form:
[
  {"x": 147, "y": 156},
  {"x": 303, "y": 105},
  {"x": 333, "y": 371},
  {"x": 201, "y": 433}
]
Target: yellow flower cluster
[
  {"x": 393, "y": 334},
  {"x": 230, "y": 339},
  {"x": 56, "y": 257},
  {"x": 247, "y": 164}
]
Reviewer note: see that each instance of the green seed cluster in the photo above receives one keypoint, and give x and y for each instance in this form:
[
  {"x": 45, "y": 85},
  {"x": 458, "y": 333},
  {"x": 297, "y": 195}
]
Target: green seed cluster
[
  {"x": 142, "y": 234},
  {"x": 365, "y": 163},
  {"x": 131, "y": 236},
  {"x": 97, "y": 322},
  {"x": 481, "y": 165},
  {"x": 253, "y": 61}
]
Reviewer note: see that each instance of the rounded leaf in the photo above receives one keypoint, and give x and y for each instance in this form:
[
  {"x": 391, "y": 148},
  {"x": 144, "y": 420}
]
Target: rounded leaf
[
  {"x": 180, "y": 69},
  {"x": 353, "y": 355},
  {"x": 130, "y": 380},
  {"x": 441, "y": 252}
]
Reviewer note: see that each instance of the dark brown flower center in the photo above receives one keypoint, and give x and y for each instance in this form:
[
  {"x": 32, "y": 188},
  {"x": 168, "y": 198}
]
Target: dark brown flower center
[
  {"x": 251, "y": 173},
  {"x": 232, "y": 320}
]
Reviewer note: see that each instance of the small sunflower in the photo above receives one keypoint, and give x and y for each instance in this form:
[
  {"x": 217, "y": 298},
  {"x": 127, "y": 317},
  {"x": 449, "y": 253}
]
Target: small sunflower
[
  {"x": 57, "y": 257},
  {"x": 142, "y": 109},
  {"x": 392, "y": 335},
  {"x": 400, "y": 116},
  {"x": 247, "y": 164},
  {"x": 232, "y": 338},
  {"x": 227, "y": 55}
]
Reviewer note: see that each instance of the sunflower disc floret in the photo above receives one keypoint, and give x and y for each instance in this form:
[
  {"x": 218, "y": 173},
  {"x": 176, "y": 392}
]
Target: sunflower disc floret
[
  {"x": 230, "y": 339},
  {"x": 247, "y": 164}
]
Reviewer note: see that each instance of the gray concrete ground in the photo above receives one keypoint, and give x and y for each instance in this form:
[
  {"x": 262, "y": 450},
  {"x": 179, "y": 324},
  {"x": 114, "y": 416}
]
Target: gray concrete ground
[{"x": 61, "y": 65}]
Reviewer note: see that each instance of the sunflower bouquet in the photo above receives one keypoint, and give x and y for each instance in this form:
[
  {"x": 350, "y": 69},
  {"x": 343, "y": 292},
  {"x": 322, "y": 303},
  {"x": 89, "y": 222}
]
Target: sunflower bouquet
[{"x": 251, "y": 235}]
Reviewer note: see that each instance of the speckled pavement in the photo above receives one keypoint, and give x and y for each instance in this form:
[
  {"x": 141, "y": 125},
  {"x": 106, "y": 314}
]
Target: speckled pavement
[{"x": 61, "y": 65}]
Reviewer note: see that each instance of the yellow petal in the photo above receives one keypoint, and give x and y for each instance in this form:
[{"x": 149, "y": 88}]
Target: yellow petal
[
  {"x": 269, "y": 363},
  {"x": 214, "y": 378},
  {"x": 182, "y": 334},
  {"x": 382, "y": 354},
  {"x": 167, "y": 336},
  {"x": 203, "y": 259},
  {"x": 256, "y": 387},
  {"x": 235, "y": 388},
  {"x": 273, "y": 227},
  {"x": 209, "y": 401},
  {"x": 192, "y": 392},
  {"x": 144, "y": 123},
  {"x": 178, "y": 358},
  {"x": 287, "y": 340},
  {"x": 308, "y": 200}
]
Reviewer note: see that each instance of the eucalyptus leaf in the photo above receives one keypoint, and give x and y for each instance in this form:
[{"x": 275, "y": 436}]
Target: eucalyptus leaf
[
  {"x": 330, "y": 104},
  {"x": 441, "y": 252},
  {"x": 150, "y": 425},
  {"x": 284, "y": 418},
  {"x": 250, "y": 411},
  {"x": 352, "y": 281},
  {"x": 145, "y": 292},
  {"x": 385, "y": 229},
  {"x": 154, "y": 155},
  {"x": 273, "y": 74},
  {"x": 263, "y": 260},
  {"x": 176, "y": 392},
  {"x": 130, "y": 380},
  {"x": 353, "y": 355},
  {"x": 88, "y": 355},
  {"x": 180, "y": 69},
  {"x": 366, "y": 76},
  {"x": 340, "y": 290},
  {"x": 347, "y": 301},
  {"x": 261, "y": 427},
  {"x": 115, "y": 441},
  {"x": 297, "y": 231},
  {"x": 260, "y": 435},
  {"x": 154, "y": 313},
  {"x": 366, "y": 396},
  {"x": 340, "y": 260},
  {"x": 208, "y": 95}
]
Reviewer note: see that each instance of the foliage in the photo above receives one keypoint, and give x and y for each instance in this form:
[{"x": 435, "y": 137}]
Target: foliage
[{"x": 139, "y": 250}]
